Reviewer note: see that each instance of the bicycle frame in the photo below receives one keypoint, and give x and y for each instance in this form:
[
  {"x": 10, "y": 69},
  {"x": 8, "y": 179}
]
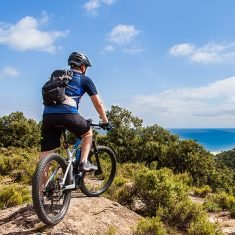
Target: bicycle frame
[{"x": 71, "y": 158}]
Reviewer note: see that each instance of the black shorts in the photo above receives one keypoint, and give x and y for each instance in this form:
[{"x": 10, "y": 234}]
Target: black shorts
[{"x": 51, "y": 132}]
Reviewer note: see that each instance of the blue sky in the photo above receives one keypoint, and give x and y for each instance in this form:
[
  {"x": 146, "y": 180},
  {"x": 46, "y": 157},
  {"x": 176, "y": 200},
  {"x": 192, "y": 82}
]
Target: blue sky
[{"x": 169, "y": 62}]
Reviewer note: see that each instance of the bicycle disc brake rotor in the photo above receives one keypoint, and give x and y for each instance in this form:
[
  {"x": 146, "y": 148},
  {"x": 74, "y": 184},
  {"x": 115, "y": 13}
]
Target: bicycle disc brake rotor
[
  {"x": 53, "y": 194},
  {"x": 53, "y": 190}
]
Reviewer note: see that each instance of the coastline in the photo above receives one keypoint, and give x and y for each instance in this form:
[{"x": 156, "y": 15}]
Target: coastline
[
  {"x": 214, "y": 140},
  {"x": 215, "y": 153}
]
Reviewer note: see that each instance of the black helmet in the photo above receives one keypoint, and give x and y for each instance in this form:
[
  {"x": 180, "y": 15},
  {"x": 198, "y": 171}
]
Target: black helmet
[{"x": 78, "y": 59}]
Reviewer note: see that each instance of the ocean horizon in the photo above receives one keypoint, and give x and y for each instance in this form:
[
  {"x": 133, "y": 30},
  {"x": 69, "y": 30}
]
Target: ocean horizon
[{"x": 214, "y": 140}]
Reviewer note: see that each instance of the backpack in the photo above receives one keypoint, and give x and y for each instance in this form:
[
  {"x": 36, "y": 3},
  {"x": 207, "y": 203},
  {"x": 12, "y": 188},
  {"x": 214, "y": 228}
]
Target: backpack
[{"x": 53, "y": 91}]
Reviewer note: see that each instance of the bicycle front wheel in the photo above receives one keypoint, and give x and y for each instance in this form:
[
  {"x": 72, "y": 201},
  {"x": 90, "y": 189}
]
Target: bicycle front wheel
[
  {"x": 97, "y": 182},
  {"x": 50, "y": 201}
]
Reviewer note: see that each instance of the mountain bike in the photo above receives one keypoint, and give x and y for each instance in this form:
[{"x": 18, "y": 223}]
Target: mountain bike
[{"x": 56, "y": 177}]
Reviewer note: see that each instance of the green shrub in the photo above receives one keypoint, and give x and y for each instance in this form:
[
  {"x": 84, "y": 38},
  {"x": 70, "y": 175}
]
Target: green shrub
[
  {"x": 122, "y": 189},
  {"x": 112, "y": 230},
  {"x": 189, "y": 216},
  {"x": 120, "y": 181},
  {"x": 232, "y": 211},
  {"x": 18, "y": 163},
  {"x": 160, "y": 193},
  {"x": 202, "y": 226},
  {"x": 145, "y": 190},
  {"x": 180, "y": 215},
  {"x": 150, "y": 226},
  {"x": 221, "y": 201},
  {"x": 211, "y": 206},
  {"x": 224, "y": 200},
  {"x": 129, "y": 170},
  {"x": 158, "y": 189},
  {"x": 202, "y": 192},
  {"x": 14, "y": 194}
]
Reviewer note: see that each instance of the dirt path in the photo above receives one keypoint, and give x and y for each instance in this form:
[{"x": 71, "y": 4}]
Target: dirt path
[{"x": 86, "y": 216}]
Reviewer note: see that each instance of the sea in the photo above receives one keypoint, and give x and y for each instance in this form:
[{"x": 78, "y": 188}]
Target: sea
[{"x": 214, "y": 140}]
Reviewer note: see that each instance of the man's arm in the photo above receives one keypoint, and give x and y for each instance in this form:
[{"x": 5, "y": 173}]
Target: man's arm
[{"x": 99, "y": 107}]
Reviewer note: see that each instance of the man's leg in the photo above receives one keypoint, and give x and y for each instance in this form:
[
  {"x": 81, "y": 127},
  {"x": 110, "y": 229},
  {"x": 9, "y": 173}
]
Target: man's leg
[{"x": 86, "y": 145}]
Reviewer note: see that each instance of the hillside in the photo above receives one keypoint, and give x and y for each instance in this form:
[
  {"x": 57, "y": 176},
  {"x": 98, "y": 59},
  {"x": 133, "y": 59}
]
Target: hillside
[
  {"x": 96, "y": 216},
  {"x": 89, "y": 216},
  {"x": 157, "y": 171}
]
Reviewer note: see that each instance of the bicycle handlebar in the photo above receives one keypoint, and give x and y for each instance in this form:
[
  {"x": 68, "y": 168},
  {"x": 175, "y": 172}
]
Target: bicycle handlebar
[
  {"x": 95, "y": 125},
  {"x": 100, "y": 125}
]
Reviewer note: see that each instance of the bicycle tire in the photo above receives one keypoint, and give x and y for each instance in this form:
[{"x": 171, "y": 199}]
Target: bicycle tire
[
  {"x": 38, "y": 201},
  {"x": 87, "y": 186}
]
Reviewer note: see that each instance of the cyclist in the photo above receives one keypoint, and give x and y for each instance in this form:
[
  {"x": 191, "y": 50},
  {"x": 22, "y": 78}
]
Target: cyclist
[{"x": 67, "y": 113}]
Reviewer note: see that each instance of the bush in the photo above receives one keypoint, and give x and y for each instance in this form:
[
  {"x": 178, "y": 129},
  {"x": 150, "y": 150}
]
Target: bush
[
  {"x": 189, "y": 216},
  {"x": 224, "y": 200},
  {"x": 202, "y": 226},
  {"x": 18, "y": 163},
  {"x": 14, "y": 194},
  {"x": 211, "y": 206},
  {"x": 221, "y": 201},
  {"x": 180, "y": 215},
  {"x": 112, "y": 230},
  {"x": 202, "y": 192},
  {"x": 160, "y": 194},
  {"x": 145, "y": 190},
  {"x": 150, "y": 226},
  {"x": 158, "y": 188}
]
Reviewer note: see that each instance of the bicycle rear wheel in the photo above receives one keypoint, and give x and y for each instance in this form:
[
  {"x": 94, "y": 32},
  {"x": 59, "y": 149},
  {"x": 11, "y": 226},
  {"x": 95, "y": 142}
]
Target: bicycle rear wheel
[
  {"x": 97, "y": 182},
  {"x": 50, "y": 201}
]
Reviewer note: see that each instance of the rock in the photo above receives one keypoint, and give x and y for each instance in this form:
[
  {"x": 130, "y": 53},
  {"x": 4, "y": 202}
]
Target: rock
[{"x": 86, "y": 216}]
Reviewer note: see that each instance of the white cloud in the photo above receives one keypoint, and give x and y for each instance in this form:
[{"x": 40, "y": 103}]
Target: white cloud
[
  {"x": 26, "y": 35},
  {"x": 208, "y": 106},
  {"x": 8, "y": 71},
  {"x": 123, "y": 37},
  {"x": 211, "y": 53},
  {"x": 109, "y": 48},
  {"x": 206, "y": 57},
  {"x": 122, "y": 34},
  {"x": 182, "y": 49},
  {"x": 92, "y": 5}
]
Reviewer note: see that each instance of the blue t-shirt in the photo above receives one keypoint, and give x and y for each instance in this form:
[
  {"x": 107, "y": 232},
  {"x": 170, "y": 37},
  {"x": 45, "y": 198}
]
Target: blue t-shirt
[{"x": 77, "y": 87}]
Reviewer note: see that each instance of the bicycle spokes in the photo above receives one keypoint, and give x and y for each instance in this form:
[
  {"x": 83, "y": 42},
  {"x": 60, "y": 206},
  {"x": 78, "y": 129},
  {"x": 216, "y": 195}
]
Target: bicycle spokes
[
  {"x": 52, "y": 191},
  {"x": 96, "y": 181}
]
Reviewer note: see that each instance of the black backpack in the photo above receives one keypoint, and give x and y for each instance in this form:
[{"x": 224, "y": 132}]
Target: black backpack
[{"x": 53, "y": 91}]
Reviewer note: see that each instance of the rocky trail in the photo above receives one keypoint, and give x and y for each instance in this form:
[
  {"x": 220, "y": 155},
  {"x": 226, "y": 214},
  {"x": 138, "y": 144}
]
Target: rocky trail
[
  {"x": 86, "y": 216},
  {"x": 89, "y": 216}
]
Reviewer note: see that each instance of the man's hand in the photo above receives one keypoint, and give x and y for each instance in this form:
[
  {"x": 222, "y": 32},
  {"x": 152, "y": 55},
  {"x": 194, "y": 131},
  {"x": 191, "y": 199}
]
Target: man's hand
[{"x": 106, "y": 126}]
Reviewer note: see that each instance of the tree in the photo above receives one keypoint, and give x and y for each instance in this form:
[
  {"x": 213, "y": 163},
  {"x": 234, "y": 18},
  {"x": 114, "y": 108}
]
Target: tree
[
  {"x": 16, "y": 130},
  {"x": 227, "y": 158},
  {"x": 123, "y": 138}
]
